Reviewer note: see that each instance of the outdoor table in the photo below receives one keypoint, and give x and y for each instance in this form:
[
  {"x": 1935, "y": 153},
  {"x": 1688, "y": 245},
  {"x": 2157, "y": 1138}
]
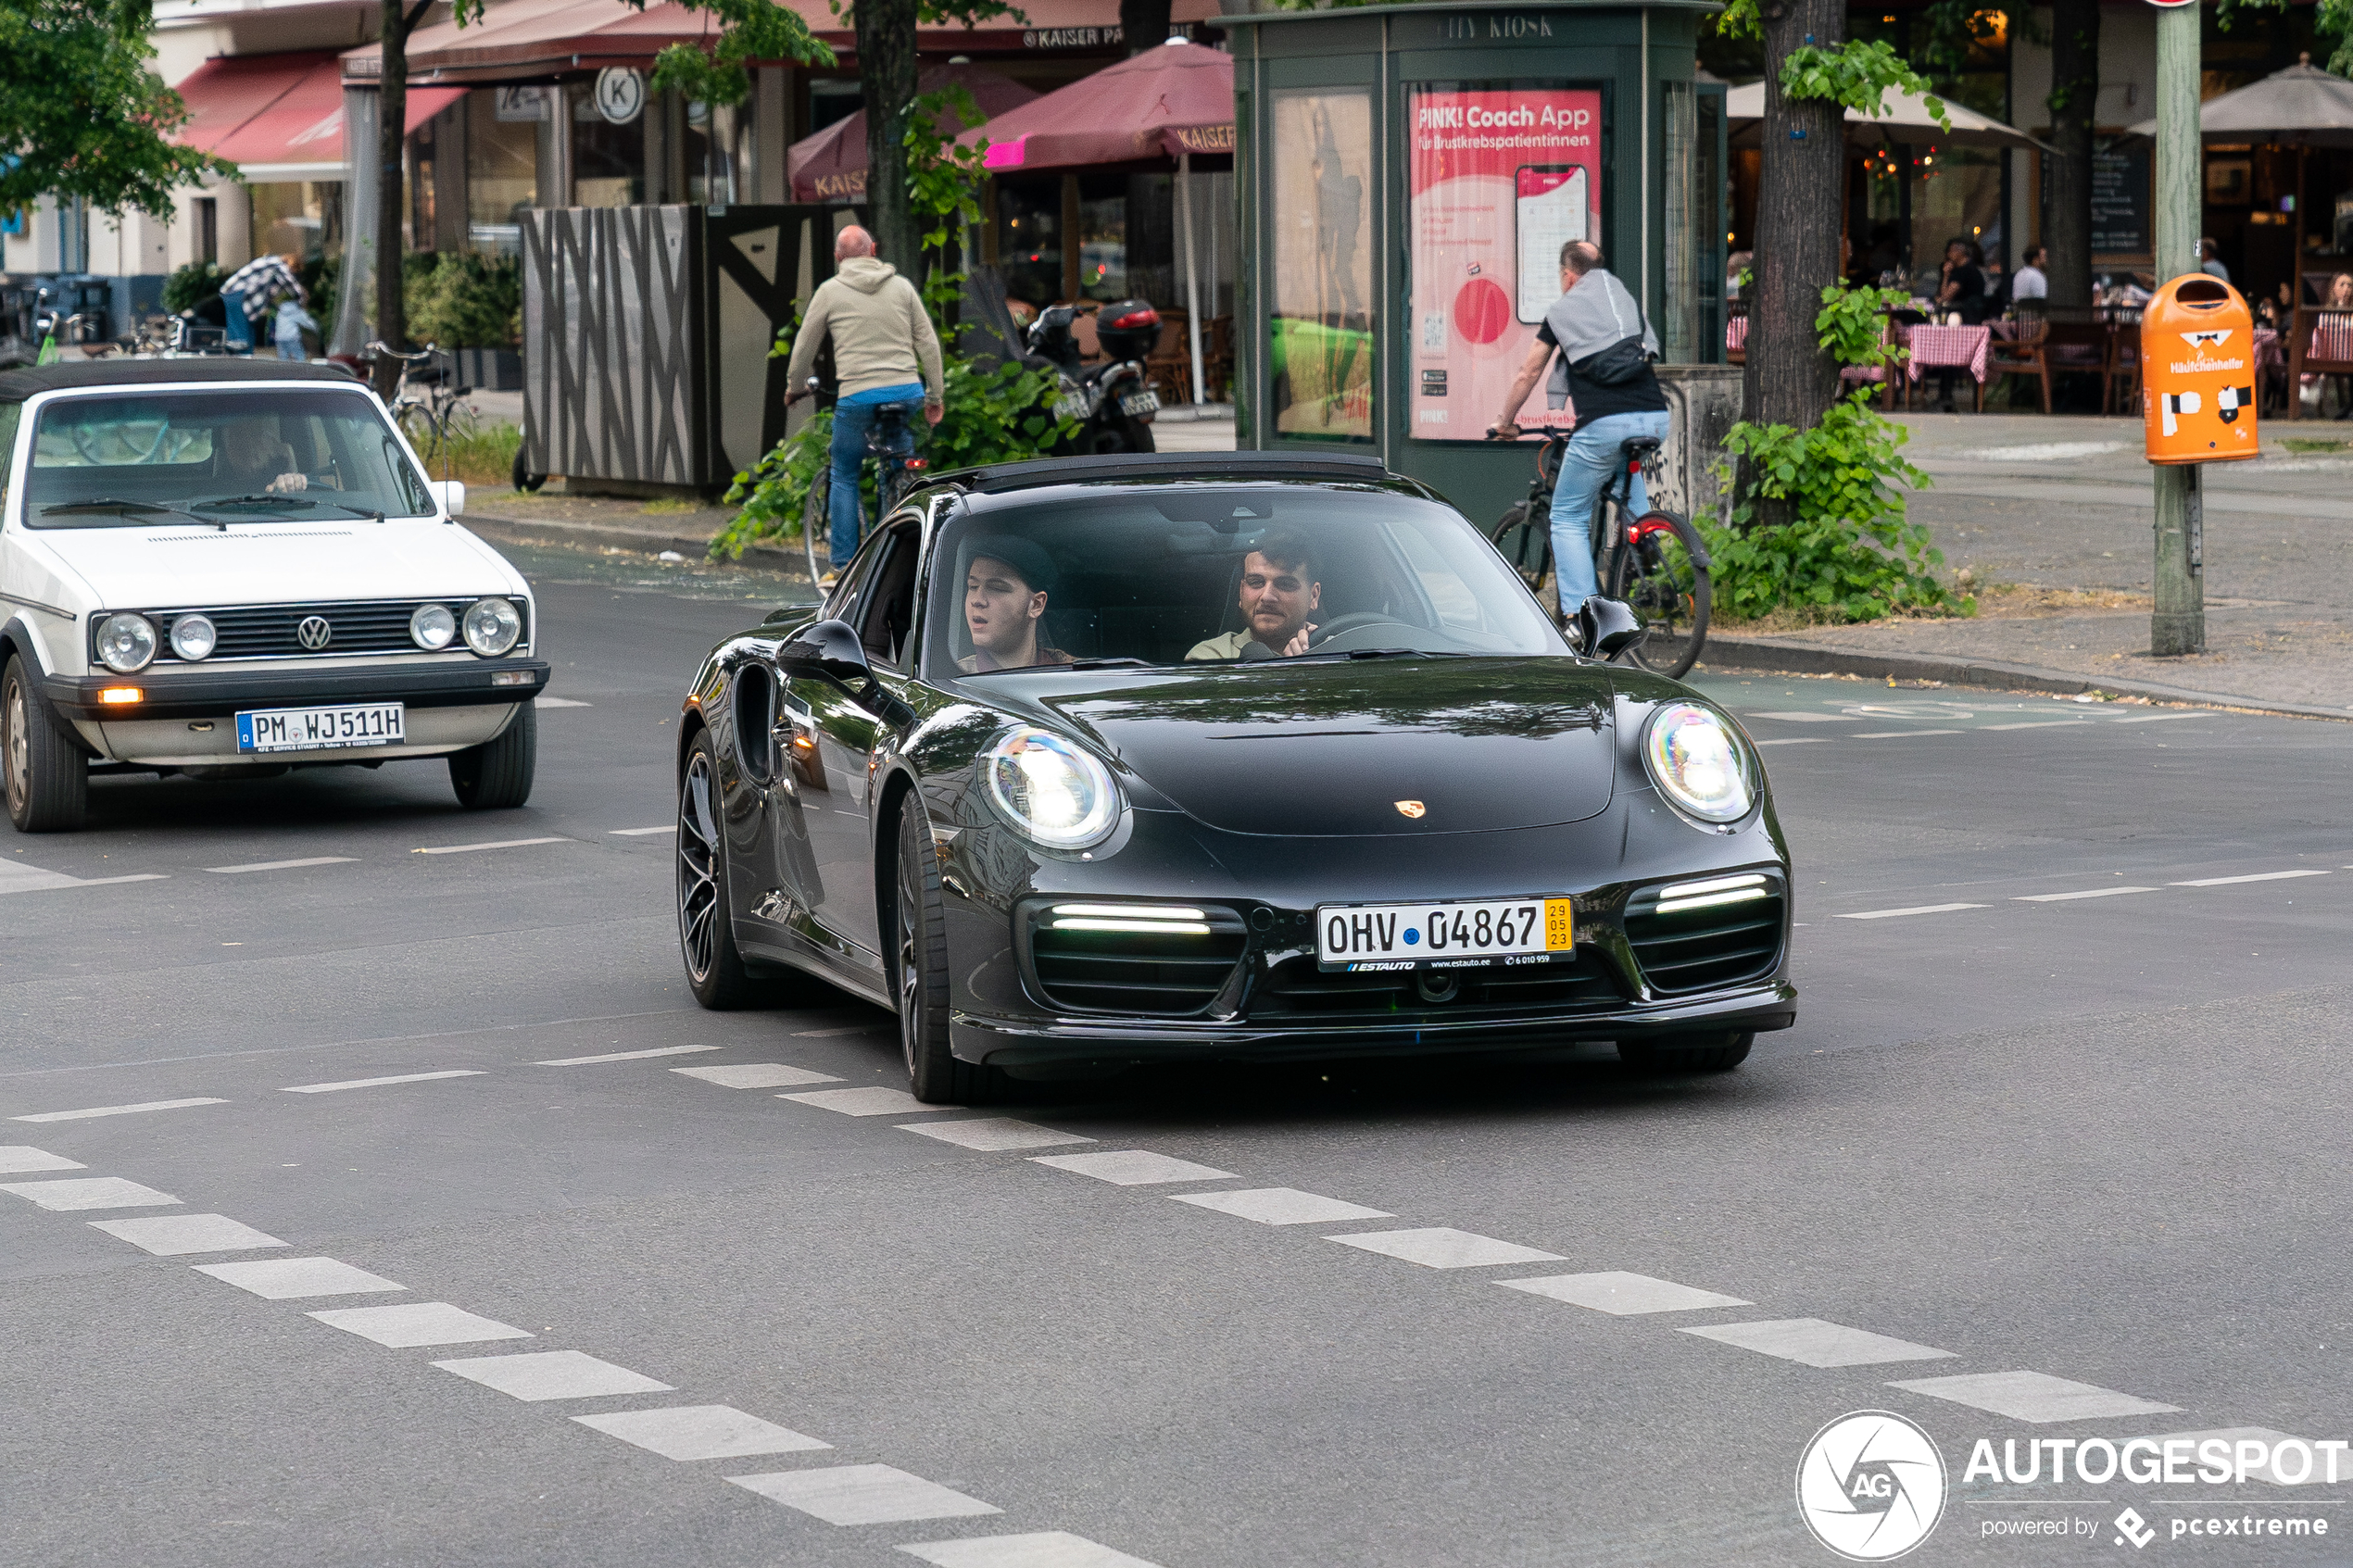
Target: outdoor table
[
  {"x": 1736, "y": 334},
  {"x": 1949, "y": 347}
]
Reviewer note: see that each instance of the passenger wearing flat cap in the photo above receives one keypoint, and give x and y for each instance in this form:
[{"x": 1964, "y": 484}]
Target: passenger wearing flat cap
[{"x": 1005, "y": 590}]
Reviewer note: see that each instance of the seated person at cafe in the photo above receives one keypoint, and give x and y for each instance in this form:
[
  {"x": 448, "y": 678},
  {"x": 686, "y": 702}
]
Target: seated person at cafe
[
  {"x": 1005, "y": 591},
  {"x": 1279, "y": 591},
  {"x": 249, "y": 458}
]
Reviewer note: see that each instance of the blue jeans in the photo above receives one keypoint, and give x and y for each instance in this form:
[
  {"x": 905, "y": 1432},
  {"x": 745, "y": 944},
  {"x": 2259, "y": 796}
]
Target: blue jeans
[
  {"x": 853, "y": 416},
  {"x": 1592, "y": 461},
  {"x": 237, "y": 325}
]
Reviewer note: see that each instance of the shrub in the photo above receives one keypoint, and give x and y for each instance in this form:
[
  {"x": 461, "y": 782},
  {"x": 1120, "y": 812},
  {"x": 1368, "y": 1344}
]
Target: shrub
[
  {"x": 463, "y": 300},
  {"x": 192, "y": 285}
]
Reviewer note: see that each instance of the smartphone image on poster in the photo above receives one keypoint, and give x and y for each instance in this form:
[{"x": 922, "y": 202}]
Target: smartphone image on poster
[{"x": 1551, "y": 211}]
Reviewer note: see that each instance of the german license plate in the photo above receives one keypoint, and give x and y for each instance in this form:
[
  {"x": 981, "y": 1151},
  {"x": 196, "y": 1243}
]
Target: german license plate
[
  {"x": 1141, "y": 403},
  {"x": 1444, "y": 936},
  {"x": 315, "y": 729},
  {"x": 1072, "y": 405}
]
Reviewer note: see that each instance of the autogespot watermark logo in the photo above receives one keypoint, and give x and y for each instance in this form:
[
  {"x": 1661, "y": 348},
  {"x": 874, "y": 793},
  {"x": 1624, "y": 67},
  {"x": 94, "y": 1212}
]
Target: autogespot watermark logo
[{"x": 1870, "y": 1486}]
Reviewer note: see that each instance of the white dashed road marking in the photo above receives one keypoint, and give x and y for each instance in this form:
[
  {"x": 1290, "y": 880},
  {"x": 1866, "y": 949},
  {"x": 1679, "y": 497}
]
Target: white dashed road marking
[
  {"x": 378, "y": 1083},
  {"x": 291, "y": 1279},
  {"x": 837, "y": 1034},
  {"x": 1815, "y": 1343},
  {"x": 553, "y": 1374},
  {"x": 2033, "y": 1396},
  {"x": 991, "y": 1134},
  {"x": 2035, "y": 724},
  {"x": 93, "y": 1192},
  {"x": 1133, "y": 1168},
  {"x": 563, "y": 702},
  {"x": 687, "y": 1432},
  {"x": 1901, "y": 735},
  {"x": 2259, "y": 876},
  {"x": 1798, "y": 718},
  {"x": 1916, "y": 909},
  {"x": 177, "y": 1235},
  {"x": 116, "y": 1109},
  {"x": 2157, "y": 718},
  {"x": 494, "y": 844},
  {"x": 418, "y": 1322},
  {"x": 1444, "y": 1247},
  {"x": 641, "y": 832},
  {"x": 15, "y": 1158},
  {"x": 623, "y": 1056},
  {"x": 2087, "y": 893},
  {"x": 283, "y": 865},
  {"x": 1798, "y": 740},
  {"x": 756, "y": 1075},
  {"x": 1050, "y": 1548},
  {"x": 875, "y": 1101},
  {"x": 1623, "y": 1295},
  {"x": 863, "y": 1493},
  {"x": 1282, "y": 1205}
]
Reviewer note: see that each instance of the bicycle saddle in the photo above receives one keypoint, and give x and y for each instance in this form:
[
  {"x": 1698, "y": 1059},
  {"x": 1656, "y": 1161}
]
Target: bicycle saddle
[{"x": 1639, "y": 445}]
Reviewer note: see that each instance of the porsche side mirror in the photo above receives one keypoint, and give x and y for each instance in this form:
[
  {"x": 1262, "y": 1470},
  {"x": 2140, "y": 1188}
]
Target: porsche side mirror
[
  {"x": 830, "y": 651},
  {"x": 1608, "y": 627}
]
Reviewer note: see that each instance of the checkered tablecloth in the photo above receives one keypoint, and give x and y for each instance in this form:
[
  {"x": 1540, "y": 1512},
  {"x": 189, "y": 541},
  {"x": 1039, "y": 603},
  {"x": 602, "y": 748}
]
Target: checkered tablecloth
[
  {"x": 1736, "y": 333},
  {"x": 1954, "y": 347}
]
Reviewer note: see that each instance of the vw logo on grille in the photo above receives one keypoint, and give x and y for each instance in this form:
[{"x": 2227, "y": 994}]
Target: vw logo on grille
[{"x": 314, "y": 632}]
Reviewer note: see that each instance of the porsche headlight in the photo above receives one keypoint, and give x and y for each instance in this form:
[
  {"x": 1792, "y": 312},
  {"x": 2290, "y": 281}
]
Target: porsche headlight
[
  {"x": 1054, "y": 791},
  {"x": 126, "y": 642},
  {"x": 1697, "y": 762}
]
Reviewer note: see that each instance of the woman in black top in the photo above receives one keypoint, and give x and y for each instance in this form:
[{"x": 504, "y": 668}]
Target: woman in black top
[{"x": 1962, "y": 291}]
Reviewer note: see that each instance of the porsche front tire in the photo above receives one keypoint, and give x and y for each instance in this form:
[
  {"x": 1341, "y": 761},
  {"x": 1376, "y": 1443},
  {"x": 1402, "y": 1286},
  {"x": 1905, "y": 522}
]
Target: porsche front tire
[
  {"x": 715, "y": 970},
  {"x": 48, "y": 778},
  {"x": 919, "y": 974},
  {"x": 1686, "y": 1053}
]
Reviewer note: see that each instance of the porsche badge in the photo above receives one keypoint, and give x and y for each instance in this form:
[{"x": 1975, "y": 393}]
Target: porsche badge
[{"x": 1412, "y": 807}]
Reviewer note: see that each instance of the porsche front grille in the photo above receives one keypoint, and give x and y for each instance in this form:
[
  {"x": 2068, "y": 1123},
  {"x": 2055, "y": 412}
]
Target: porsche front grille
[
  {"x": 1156, "y": 960},
  {"x": 1698, "y": 936},
  {"x": 1296, "y": 990}
]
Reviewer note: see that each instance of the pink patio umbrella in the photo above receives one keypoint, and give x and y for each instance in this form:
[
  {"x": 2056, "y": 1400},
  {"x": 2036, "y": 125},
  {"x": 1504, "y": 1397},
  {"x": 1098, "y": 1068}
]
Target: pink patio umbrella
[
  {"x": 1167, "y": 103},
  {"x": 831, "y": 165}
]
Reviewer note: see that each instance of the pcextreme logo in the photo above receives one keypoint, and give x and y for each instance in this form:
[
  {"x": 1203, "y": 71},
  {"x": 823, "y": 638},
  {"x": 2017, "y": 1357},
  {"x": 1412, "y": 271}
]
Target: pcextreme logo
[{"x": 1870, "y": 1486}]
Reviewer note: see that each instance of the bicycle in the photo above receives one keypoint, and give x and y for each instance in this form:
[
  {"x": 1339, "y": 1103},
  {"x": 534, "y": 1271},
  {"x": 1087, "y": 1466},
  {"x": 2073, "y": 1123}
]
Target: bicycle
[
  {"x": 1655, "y": 562},
  {"x": 888, "y": 440},
  {"x": 437, "y": 422}
]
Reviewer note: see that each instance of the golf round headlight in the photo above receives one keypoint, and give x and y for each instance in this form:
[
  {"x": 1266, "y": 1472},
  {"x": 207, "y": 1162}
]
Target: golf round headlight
[
  {"x": 195, "y": 638},
  {"x": 432, "y": 628},
  {"x": 126, "y": 642},
  {"x": 492, "y": 626},
  {"x": 1053, "y": 790},
  {"x": 1696, "y": 761}
]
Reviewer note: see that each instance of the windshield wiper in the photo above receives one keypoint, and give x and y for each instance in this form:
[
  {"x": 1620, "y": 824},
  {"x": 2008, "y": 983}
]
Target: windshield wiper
[
  {"x": 224, "y": 502},
  {"x": 119, "y": 506}
]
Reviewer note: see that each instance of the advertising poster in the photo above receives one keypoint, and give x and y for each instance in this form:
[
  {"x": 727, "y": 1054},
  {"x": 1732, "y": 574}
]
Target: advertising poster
[{"x": 1502, "y": 178}]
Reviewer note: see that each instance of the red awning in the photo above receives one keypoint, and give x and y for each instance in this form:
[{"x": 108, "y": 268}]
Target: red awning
[
  {"x": 831, "y": 165},
  {"x": 1175, "y": 98},
  {"x": 279, "y": 117}
]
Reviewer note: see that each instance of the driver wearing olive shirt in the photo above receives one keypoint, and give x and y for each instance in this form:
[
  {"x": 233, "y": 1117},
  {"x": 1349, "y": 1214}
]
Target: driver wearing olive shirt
[{"x": 1279, "y": 591}]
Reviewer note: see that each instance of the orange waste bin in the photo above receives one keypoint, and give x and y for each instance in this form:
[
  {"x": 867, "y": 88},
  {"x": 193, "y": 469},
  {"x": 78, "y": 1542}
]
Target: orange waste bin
[{"x": 2197, "y": 373}]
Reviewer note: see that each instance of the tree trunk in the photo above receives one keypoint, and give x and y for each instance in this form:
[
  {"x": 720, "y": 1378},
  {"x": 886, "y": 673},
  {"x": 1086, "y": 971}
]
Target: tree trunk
[
  {"x": 1790, "y": 380},
  {"x": 886, "y": 30},
  {"x": 2075, "y": 89},
  {"x": 1143, "y": 24},
  {"x": 392, "y": 120}
]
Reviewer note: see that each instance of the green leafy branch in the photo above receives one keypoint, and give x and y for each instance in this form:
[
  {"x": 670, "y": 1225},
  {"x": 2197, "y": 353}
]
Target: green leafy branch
[
  {"x": 750, "y": 30},
  {"x": 1858, "y": 74},
  {"x": 1853, "y": 324},
  {"x": 2331, "y": 18}
]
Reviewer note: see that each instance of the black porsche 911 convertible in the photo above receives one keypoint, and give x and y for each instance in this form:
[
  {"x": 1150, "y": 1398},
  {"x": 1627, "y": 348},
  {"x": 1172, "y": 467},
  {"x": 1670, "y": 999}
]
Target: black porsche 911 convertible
[{"x": 1089, "y": 762}]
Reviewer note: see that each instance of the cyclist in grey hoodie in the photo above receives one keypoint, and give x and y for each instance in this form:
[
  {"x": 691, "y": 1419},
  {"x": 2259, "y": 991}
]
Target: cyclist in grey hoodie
[{"x": 883, "y": 340}]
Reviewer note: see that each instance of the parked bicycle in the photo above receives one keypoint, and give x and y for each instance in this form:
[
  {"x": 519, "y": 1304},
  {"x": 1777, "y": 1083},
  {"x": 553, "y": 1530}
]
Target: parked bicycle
[
  {"x": 1654, "y": 561},
  {"x": 433, "y": 413},
  {"x": 891, "y": 443}
]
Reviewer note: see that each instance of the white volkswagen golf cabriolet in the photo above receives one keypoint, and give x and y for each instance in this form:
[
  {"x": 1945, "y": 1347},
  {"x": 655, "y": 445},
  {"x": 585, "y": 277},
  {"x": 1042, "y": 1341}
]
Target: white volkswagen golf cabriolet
[{"x": 230, "y": 568}]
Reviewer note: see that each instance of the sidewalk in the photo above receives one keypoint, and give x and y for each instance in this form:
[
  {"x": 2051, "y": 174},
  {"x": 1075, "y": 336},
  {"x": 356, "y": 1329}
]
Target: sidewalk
[{"x": 2063, "y": 505}]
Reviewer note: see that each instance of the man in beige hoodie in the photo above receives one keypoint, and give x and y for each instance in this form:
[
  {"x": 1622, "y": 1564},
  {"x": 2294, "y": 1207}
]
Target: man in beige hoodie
[{"x": 883, "y": 340}]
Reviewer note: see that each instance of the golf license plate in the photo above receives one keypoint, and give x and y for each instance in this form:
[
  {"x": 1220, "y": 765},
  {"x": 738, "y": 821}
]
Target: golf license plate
[
  {"x": 1444, "y": 936},
  {"x": 315, "y": 729},
  {"x": 1141, "y": 403}
]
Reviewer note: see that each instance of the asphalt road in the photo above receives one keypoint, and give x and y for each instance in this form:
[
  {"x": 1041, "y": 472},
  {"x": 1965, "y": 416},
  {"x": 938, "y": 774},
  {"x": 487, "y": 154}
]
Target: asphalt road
[{"x": 2098, "y": 1139}]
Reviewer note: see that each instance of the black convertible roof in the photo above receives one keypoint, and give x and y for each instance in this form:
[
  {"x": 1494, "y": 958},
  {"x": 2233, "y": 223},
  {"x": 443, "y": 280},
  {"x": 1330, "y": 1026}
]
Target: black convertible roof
[
  {"x": 996, "y": 478},
  {"x": 17, "y": 385}
]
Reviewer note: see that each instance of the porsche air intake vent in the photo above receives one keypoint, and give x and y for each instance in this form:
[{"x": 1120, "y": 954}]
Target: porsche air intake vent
[
  {"x": 1698, "y": 936},
  {"x": 1296, "y": 990},
  {"x": 1161, "y": 960}
]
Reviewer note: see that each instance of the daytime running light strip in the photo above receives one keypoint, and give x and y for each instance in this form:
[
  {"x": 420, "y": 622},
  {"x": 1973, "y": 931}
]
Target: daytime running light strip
[
  {"x": 1167, "y": 927},
  {"x": 1678, "y": 897},
  {"x": 1131, "y": 911}
]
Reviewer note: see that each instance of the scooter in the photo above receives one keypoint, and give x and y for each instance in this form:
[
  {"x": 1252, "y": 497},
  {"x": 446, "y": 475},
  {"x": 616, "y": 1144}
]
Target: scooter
[{"x": 1112, "y": 402}]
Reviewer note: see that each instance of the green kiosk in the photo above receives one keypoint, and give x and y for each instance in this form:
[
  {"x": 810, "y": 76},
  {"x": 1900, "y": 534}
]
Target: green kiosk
[{"x": 1406, "y": 175}]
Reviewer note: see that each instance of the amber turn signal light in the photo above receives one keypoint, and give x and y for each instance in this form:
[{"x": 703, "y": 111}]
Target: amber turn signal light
[{"x": 113, "y": 696}]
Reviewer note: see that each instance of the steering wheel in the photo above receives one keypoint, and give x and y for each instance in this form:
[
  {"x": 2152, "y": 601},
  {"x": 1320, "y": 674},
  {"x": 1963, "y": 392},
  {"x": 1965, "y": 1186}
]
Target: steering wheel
[{"x": 1349, "y": 623}]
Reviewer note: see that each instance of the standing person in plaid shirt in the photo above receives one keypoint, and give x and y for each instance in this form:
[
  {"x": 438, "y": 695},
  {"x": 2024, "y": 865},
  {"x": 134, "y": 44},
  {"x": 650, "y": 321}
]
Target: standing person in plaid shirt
[{"x": 245, "y": 296}]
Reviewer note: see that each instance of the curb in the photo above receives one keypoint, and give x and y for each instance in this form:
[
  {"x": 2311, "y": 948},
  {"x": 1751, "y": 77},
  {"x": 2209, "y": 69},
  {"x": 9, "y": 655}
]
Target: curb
[
  {"x": 646, "y": 541},
  {"x": 1807, "y": 658}
]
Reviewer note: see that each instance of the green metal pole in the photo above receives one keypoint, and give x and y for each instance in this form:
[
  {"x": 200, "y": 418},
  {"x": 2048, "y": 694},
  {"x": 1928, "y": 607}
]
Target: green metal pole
[{"x": 2178, "y": 626}]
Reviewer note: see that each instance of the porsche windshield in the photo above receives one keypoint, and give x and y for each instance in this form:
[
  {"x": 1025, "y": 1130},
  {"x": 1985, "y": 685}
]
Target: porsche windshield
[
  {"x": 1221, "y": 573},
  {"x": 217, "y": 457}
]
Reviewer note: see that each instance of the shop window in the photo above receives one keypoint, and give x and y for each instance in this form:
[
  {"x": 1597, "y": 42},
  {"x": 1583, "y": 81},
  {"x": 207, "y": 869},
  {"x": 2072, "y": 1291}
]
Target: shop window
[
  {"x": 608, "y": 160},
  {"x": 502, "y": 166},
  {"x": 1102, "y": 236},
  {"x": 301, "y": 220},
  {"x": 1320, "y": 358},
  {"x": 203, "y": 215},
  {"x": 1029, "y": 223}
]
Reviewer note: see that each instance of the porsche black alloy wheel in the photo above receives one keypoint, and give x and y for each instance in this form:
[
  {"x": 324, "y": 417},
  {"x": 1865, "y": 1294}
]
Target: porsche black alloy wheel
[
  {"x": 919, "y": 974},
  {"x": 497, "y": 774},
  {"x": 715, "y": 970},
  {"x": 1686, "y": 1053},
  {"x": 48, "y": 782}
]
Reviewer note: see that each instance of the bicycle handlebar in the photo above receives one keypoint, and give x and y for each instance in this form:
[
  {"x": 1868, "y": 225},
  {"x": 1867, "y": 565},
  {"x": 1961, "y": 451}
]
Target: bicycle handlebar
[{"x": 378, "y": 351}]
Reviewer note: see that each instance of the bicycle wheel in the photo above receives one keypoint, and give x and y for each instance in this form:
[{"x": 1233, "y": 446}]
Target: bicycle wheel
[
  {"x": 816, "y": 513},
  {"x": 1660, "y": 569},
  {"x": 416, "y": 423},
  {"x": 1526, "y": 546},
  {"x": 459, "y": 421}
]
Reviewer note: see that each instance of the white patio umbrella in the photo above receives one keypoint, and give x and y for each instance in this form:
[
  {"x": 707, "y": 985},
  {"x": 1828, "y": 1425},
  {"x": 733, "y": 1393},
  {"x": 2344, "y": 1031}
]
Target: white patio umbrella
[{"x": 1905, "y": 119}]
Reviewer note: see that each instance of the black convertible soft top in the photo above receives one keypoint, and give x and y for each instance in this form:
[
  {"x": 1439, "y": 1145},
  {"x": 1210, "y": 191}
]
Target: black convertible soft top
[{"x": 17, "y": 385}]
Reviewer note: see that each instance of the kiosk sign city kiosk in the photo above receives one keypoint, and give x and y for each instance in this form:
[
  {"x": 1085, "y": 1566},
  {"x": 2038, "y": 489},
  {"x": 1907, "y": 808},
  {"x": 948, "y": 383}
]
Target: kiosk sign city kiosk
[{"x": 1406, "y": 176}]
